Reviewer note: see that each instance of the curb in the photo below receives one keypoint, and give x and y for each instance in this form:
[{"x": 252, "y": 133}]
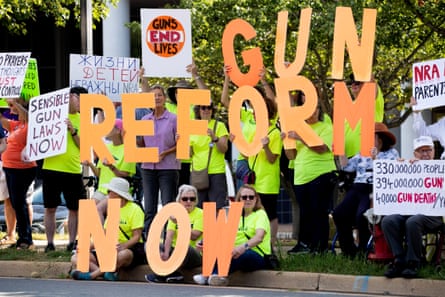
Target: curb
[{"x": 300, "y": 281}]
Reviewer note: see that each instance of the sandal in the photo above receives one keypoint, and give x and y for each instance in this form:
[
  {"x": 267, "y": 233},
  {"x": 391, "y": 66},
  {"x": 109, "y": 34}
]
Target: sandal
[
  {"x": 25, "y": 246},
  {"x": 7, "y": 241}
]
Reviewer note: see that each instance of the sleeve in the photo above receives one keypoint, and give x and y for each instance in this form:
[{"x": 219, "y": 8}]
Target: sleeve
[{"x": 419, "y": 125}]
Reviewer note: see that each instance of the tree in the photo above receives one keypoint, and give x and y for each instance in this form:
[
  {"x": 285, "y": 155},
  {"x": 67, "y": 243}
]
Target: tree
[{"x": 16, "y": 14}]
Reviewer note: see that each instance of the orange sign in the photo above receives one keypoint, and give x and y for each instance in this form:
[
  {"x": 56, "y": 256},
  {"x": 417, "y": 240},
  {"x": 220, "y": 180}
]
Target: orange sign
[{"x": 165, "y": 36}]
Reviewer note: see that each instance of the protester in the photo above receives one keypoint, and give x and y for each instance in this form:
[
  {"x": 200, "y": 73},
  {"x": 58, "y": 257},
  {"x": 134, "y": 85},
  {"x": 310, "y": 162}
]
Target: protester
[
  {"x": 19, "y": 171},
  {"x": 252, "y": 240},
  {"x": 403, "y": 233},
  {"x": 63, "y": 174},
  {"x": 129, "y": 247},
  {"x": 187, "y": 197}
]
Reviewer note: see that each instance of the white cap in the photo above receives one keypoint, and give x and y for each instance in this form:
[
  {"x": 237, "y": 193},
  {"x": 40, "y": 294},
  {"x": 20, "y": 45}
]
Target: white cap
[{"x": 422, "y": 141}]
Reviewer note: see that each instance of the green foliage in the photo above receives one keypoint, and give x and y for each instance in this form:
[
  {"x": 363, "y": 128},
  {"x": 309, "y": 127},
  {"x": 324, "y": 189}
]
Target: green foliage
[{"x": 16, "y": 14}]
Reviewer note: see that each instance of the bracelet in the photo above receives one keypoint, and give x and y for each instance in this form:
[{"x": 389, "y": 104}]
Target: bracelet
[
  {"x": 74, "y": 133},
  {"x": 215, "y": 140}
]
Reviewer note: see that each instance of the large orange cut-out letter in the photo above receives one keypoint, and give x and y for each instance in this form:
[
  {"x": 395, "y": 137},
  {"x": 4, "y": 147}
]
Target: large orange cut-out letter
[
  {"x": 251, "y": 57},
  {"x": 91, "y": 134},
  {"x": 302, "y": 44},
  {"x": 361, "y": 51},
  {"x": 219, "y": 236},
  {"x": 293, "y": 118},
  {"x": 104, "y": 242},
  {"x": 187, "y": 126},
  {"x": 362, "y": 109},
  {"x": 262, "y": 124},
  {"x": 134, "y": 128},
  {"x": 159, "y": 266}
]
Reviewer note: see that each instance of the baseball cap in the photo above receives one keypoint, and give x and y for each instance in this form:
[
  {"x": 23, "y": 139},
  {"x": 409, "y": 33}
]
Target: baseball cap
[
  {"x": 422, "y": 141},
  {"x": 118, "y": 124}
]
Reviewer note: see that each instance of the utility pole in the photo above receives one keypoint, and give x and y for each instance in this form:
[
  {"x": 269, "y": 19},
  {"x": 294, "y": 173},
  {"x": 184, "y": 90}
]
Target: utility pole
[{"x": 86, "y": 27}]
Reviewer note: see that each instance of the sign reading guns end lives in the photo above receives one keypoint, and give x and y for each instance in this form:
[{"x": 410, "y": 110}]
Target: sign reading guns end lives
[{"x": 401, "y": 187}]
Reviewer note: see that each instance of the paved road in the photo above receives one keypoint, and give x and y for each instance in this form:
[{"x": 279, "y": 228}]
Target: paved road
[{"x": 54, "y": 288}]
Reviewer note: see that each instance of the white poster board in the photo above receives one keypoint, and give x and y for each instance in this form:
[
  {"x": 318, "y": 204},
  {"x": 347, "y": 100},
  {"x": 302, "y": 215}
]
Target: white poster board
[
  {"x": 429, "y": 84},
  {"x": 111, "y": 76},
  {"x": 166, "y": 42},
  {"x": 47, "y": 130},
  {"x": 12, "y": 73},
  {"x": 402, "y": 187}
]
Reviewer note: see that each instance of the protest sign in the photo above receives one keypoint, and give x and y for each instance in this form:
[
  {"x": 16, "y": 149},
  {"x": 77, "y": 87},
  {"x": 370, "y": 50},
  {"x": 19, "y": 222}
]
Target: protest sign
[
  {"x": 429, "y": 84},
  {"x": 46, "y": 124},
  {"x": 31, "y": 87},
  {"x": 12, "y": 73},
  {"x": 402, "y": 187},
  {"x": 111, "y": 76},
  {"x": 166, "y": 42}
]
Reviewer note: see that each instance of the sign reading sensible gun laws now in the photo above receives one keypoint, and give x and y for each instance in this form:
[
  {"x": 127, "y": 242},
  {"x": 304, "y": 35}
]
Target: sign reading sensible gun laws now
[{"x": 401, "y": 187}]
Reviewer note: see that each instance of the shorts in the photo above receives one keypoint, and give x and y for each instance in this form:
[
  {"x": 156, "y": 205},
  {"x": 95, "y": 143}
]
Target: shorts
[
  {"x": 270, "y": 203},
  {"x": 55, "y": 183},
  {"x": 4, "y": 194}
]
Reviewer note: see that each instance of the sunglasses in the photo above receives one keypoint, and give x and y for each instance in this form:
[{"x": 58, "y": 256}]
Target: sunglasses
[
  {"x": 203, "y": 107},
  {"x": 248, "y": 197},
  {"x": 191, "y": 199}
]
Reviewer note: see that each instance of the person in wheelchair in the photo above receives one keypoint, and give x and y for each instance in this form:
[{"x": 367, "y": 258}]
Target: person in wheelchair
[
  {"x": 352, "y": 226},
  {"x": 404, "y": 233}
]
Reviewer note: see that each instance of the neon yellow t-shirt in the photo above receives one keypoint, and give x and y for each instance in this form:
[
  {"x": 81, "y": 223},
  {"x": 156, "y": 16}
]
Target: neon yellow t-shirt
[
  {"x": 268, "y": 175},
  {"x": 196, "y": 221},
  {"x": 256, "y": 220},
  {"x": 249, "y": 126},
  {"x": 309, "y": 164},
  {"x": 131, "y": 218},
  {"x": 69, "y": 161},
  {"x": 106, "y": 174},
  {"x": 200, "y": 145}
]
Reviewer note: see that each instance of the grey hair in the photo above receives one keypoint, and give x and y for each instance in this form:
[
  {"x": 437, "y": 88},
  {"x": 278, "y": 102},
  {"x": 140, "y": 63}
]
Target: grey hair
[{"x": 186, "y": 188}]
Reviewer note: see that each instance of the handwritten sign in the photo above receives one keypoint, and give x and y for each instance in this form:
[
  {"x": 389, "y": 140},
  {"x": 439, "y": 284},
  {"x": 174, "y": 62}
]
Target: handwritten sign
[
  {"x": 47, "y": 129},
  {"x": 31, "y": 87},
  {"x": 166, "y": 42},
  {"x": 12, "y": 73},
  {"x": 409, "y": 188},
  {"x": 429, "y": 84},
  {"x": 112, "y": 76}
]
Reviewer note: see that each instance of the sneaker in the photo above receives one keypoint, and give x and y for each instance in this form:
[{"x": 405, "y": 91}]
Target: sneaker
[
  {"x": 50, "y": 247},
  {"x": 110, "y": 276},
  {"x": 175, "y": 277},
  {"x": 220, "y": 281},
  {"x": 299, "y": 249},
  {"x": 201, "y": 279},
  {"x": 394, "y": 270},
  {"x": 77, "y": 275},
  {"x": 411, "y": 271},
  {"x": 153, "y": 278}
]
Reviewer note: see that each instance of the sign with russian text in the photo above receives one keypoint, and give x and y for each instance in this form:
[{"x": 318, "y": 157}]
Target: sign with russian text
[
  {"x": 111, "y": 76},
  {"x": 429, "y": 84},
  {"x": 12, "y": 73},
  {"x": 31, "y": 87},
  {"x": 47, "y": 130},
  {"x": 166, "y": 42},
  {"x": 409, "y": 188}
]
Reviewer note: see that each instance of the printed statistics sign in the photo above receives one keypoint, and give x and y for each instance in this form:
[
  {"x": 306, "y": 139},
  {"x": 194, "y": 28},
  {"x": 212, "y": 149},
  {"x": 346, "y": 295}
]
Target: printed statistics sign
[
  {"x": 111, "y": 76},
  {"x": 47, "y": 130},
  {"x": 429, "y": 84},
  {"x": 402, "y": 187},
  {"x": 12, "y": 73},
  {"x": 166, "y": 42}
]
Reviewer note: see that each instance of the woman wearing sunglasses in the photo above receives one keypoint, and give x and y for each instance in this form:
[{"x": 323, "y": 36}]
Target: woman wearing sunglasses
[
  {"x": 252, "y": 240},
  {"x": 187, "y": 197}
]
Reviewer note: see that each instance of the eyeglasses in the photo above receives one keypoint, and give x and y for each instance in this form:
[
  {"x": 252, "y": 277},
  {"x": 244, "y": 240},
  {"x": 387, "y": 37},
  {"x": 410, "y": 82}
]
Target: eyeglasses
[
  {"x": 191, "y": 199},
  {"x": 248, "y": 197},
  {"x": 424, "y": 151},
  {"x": 203, "y": 107}
]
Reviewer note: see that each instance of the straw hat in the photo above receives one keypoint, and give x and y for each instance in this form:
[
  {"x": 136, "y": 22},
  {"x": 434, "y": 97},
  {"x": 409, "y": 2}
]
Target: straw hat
[{"x": 120, "y": 186}]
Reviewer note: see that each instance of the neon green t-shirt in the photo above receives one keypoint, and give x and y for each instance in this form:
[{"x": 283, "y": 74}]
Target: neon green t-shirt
[
  {"x": 248, "y": 225},
  {"x": 131, "y": 218},
  {"x": 249, "y": 126},
  {"x": 309, "y": 164},
  {"x": 268, "y": 175},
  {"x": 196, "y": 221},
  {"x": 106, "y": 174},
  {"x": 69, "y": 161},
  {"x": 200, "y": 145}
]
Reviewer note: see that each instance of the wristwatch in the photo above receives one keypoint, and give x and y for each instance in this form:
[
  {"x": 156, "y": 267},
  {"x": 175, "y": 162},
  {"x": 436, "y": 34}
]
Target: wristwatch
[
  {"x": 74, "y": 133},
  {"x": 246, "y": 246},
  {"x": 215, "y": 140}
]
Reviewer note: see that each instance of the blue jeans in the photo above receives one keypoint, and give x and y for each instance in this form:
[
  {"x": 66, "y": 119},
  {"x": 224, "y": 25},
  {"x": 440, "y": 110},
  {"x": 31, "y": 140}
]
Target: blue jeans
[
  {"x": 152, "y": 181},
  {"x": 247, "y": 262}
]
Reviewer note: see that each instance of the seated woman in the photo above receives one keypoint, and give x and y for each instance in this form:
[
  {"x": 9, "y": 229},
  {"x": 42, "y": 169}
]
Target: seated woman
[
  {"x": 130, "y": 246},
  {"x": 348, "y": 215},
  {"x": 252, "y": 241},
  {"x": 187, "y": 197}
]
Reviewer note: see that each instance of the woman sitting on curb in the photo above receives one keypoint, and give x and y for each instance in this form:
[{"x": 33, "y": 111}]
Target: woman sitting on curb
[{"x": 130, "y": 246}]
